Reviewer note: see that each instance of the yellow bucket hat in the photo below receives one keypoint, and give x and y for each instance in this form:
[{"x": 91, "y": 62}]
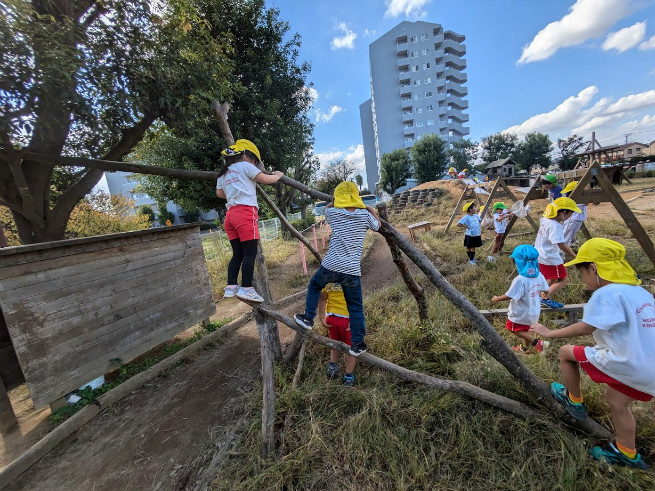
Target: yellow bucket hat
[
  {"x": 570, "y": 187},
  {"x": 241, "y": 145},
  {"x": 346, "y": 195},
  {"x": 467, "y": 206},
  {"x": 609, "y": 258},
  {"x": 561, "y": 204}
]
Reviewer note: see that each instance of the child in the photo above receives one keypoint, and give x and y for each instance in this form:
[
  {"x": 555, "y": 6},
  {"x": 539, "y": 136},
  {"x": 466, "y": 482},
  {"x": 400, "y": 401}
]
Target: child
[
  {"x": 550, "y": 184},
  {"x": 349, "y": 219},
  {"x": 621, "y": 317},
  {"x": 462, "y": 174},
  {"x": 337, "y": 321},
  {"x": 452, "y": 172},
  {"x": 473, "y": 234},
  {"x": 501, "y": 219},
  {"x": 524, "y": 295},
  {"x": 573, "y": 224},
  {"x": 550, "y": 240},
  {"x": 237, "y": 184}
]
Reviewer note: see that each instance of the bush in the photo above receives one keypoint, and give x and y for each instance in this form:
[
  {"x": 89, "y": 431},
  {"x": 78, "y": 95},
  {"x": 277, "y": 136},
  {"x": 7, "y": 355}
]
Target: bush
[{"x": 301, "y": 225}]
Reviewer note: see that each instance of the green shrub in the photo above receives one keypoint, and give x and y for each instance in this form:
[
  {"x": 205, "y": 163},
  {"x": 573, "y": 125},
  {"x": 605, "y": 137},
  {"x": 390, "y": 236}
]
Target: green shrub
[{"x": 301, "y": 225}]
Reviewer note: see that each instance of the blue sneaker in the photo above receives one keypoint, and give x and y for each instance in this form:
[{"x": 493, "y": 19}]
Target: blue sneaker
[
  {"x": 547, "y": 302},
  {"x": 610, "y": 454},
  {"x": 561, "y": 394},
  {"x": 348, "y": 379},
  {"x": 333, "y": 371}
]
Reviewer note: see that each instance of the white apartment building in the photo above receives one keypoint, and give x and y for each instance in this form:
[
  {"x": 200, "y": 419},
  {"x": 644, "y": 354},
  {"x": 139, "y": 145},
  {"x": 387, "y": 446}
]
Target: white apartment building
[{"x": 417, "y": 87}]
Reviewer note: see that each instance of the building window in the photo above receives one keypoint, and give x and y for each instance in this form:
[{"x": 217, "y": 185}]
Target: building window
[
  {"x": 419, "y": 123},
  {"x": 428, "y": 94},
  {"x": 417, "y": 82},
  {"x": 424, "y": 37},
  {"x": 430, "y": 122},
  {"x": 414, "y": 54},
  {"x": 428, "y": 80},
  {"x": 430, "y": 107},
  {"x": 415, "y": 68},
  {"x": 426, "y": 66},
  {"x": 425, "y": 51},
  {"x": 638, "y": 149},
  {"x": 629, "y": 151},
  {"x": 414, "y": 39},
  {"x": 418, "y": 110},
  {"x": 417, "y": 97}
]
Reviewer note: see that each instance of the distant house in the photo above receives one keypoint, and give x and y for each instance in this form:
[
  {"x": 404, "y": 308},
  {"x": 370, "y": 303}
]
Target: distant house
[
  {"x": 624, "y": 152},
  {"x": 505, "y": 168}
]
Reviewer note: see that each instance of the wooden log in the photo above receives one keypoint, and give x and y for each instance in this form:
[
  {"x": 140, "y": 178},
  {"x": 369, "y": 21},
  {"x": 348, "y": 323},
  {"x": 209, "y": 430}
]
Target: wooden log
[
  {"x": 408, "y": 278},
  {"x": 462, "y": 388}
]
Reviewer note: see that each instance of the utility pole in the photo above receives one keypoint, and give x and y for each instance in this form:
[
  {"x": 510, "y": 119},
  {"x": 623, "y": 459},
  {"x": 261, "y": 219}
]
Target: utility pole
[{"x": 626, "y": 137}]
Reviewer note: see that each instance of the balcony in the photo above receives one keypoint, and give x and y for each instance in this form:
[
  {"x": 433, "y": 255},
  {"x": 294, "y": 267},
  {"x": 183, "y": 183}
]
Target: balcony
[
  {"x": 454, "y": 75},
  {"x": 450, "y": 35},
  {"x": 404, "y": 76},
  {"x": 409, "y": 144},
  {"x": 458, "y": 129},
  {"x": 403, "y": 64},
  {"x": 454, "y": 47},
  {"x": 454, "y": 61},
  {"x": 458, "y": 102},
  {"x": 409, "y": 132},
  {"x": 406, "y": 103},
  {"x": 458, "y": 116},
  {"x": 406, "y": 90},
  {"x": 456, "y": 89},
  {"x": 408, "y": 116}
]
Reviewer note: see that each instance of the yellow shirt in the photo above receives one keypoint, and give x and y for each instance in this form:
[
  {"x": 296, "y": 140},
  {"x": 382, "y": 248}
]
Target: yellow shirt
[{"x": 336, "y": 302}]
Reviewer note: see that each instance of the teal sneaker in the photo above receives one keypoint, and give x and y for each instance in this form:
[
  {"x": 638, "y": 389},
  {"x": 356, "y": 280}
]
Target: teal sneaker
[
  {"x": 610, "y": 454},
  {"x": 348, "y": 379},
  {"x": 561, "y": 394},
  {"x": 332, "y": 371}
]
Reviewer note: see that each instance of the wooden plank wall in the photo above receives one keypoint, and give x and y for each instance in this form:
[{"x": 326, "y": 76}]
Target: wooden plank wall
[{"x": 75, "y": 307}]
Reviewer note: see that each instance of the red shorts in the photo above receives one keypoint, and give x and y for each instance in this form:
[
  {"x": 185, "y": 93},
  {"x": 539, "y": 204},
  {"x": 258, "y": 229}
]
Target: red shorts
[
  {"x": 553, "y": 272},
  {"x": 241, "y": 223},
  {"x": 339, "y": 328},
  {"x": 514, "y": 327},
  {"x": 602, "y": 378}
]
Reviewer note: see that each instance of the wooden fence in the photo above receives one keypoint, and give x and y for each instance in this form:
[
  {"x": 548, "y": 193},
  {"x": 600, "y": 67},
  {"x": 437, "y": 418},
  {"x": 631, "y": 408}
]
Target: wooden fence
[{"x": 77, "y": 308}]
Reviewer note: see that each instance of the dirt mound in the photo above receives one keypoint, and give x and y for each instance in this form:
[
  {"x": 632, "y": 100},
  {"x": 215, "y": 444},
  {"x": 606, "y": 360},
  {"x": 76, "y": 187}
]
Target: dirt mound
[{"x": 454, "y": 187}]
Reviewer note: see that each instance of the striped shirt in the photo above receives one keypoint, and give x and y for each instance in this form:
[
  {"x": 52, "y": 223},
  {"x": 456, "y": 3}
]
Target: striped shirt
[{"x": 347, "y": 240}]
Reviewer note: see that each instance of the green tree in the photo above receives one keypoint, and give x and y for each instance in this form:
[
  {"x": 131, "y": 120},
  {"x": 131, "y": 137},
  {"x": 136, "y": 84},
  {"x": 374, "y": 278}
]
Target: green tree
[
  {"x": 336, "y": 172},
  {"x": 568, "y": 149},
  {"x": 148, "y": 211},
  {"x": 498, "y": 146},
  {"x": 100, "y": 213},
  {"x": 395, "y": 169},
  {"x": 269, "y": 107},
  {"x": 429, "y": 158},
  {"x": 87, "y": 79},
  {"x": 463, "y": 153},
  {"x": 359, "y": 180},
  {"x": 533, "y": 150}
]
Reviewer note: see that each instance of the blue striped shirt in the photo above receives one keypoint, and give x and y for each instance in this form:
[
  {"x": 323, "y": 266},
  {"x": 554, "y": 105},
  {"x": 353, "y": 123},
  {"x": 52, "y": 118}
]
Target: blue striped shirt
[{"x": 347, "y": 239}]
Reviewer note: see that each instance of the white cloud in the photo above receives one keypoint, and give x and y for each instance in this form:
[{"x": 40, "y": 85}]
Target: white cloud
[
  {"x": 347, "y": 41},
  {"x": 408, "y": 8},
  {"x": 353, "y": 154},
  {"x": 369, "y": 33},
  {"x": 648, "y": 44},
  {"x": 326, "y": 117},
  {"x": 579, "y": 114},
  {"x": 313, "y": 93},
  {"x": 625, "y": 39},
  {"x": 586, "y": 19}
]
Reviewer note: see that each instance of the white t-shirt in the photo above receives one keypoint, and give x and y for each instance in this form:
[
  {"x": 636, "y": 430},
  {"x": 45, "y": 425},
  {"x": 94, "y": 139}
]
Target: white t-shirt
[
  {"x": 472, "y": 223},
  {"x": 551, "y": 233},
  {"x": 525, "y": 306},
  {"x": 624, "y": 318},
  {"x": 239, "y": 185},
  {"x": 500, "y": 226},
  {"x": 579, "y": 217}
]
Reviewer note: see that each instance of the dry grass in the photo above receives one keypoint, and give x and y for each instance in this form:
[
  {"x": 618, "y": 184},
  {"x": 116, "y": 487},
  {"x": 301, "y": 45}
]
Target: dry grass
[{"x": 385, "y": 434}]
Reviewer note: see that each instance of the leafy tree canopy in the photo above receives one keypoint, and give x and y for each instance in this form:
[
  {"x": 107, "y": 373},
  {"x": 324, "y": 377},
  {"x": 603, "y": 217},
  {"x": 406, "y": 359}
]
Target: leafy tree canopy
[
  {"x": 463, "y": 153},
  {"x": 87, "y": 78},
  {"x": 395, "y": 169},
  {"x": 268, "y": 106},
  {"x": 568, "y": 148},
  {"x": 498, "y": 146},
  {"x": 533, "y": 150},
  {"x": 429, "y": 158},
  {"x": 336, "y": 172}
]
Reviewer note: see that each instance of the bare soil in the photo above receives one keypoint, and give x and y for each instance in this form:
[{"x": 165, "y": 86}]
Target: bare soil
[{"x": 161, "y": 436}]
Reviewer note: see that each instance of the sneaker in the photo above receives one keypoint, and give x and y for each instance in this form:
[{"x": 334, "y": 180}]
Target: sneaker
[
  {"x": 541, "y": 346},
  {"x": 473, "y": 262},
  {"x": 561, "y": 394},
  {"x": 491, "y": 259},
  {"x": 231, "y": 291},
  {"x": 547, "y": 302},
  {"x": 333, "y": 371},
  {"x": 348, "y": 380},
  {"x": 521, "y": 349},
  {"x": 303, "y": 321},
  {"x": 610, "y": 454},
  {"x": 249, "y": 295},
  {"x": 357, "y": 349}
]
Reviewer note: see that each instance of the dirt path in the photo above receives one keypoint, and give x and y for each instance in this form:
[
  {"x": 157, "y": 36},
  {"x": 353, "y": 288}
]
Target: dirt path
[{"x": 161, "y": 436}]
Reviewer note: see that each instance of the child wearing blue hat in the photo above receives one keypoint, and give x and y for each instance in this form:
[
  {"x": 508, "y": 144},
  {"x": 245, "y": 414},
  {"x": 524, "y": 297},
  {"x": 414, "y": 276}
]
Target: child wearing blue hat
[{"x": 524, "y": 295}]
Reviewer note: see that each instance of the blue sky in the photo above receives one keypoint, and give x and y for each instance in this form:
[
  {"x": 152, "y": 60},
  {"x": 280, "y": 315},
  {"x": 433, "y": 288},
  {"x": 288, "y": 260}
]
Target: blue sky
[{"x": 555, "y": 66}]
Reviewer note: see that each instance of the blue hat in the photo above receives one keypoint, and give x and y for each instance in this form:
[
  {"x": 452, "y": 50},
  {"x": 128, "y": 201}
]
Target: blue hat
[{"x": 525, "y": 256}]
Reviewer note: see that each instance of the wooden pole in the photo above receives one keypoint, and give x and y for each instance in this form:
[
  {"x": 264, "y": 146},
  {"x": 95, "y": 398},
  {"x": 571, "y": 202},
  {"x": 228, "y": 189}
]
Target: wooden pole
[{"x": 397, "y": 256}]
